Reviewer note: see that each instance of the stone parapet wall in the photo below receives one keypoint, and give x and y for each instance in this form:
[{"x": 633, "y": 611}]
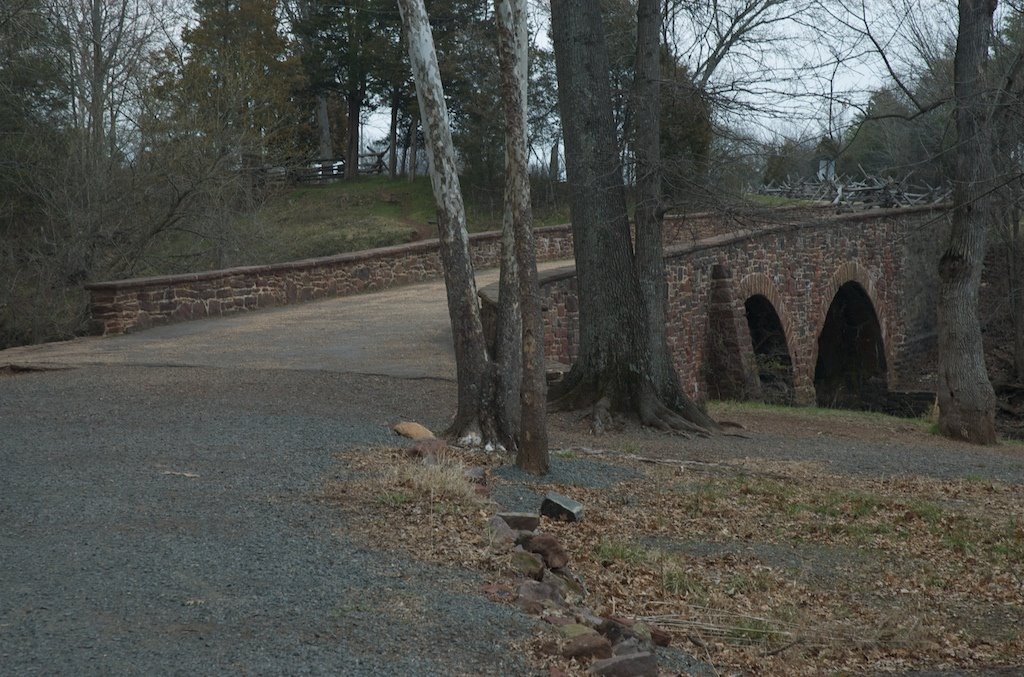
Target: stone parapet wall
[
  {"x": 124, "y": 306},
  {"x": 131, "y": 305}
]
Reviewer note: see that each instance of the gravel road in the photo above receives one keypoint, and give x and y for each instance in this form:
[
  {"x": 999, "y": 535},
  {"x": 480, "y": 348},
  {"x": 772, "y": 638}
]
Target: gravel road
[{"x": 165, "y": 521}]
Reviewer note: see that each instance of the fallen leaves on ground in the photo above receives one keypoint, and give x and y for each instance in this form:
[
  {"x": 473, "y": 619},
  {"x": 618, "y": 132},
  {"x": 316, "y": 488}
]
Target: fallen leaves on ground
[{"x": 767, "y": 567}]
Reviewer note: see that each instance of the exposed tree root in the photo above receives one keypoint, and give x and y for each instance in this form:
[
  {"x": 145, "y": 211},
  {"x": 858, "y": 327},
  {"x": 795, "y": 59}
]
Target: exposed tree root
[{"x": 577, "y": 391}]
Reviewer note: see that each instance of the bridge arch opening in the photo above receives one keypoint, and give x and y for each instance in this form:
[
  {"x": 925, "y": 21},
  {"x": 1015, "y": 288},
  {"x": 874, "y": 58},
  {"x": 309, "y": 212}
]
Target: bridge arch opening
[
  {"x": 851, "y": 371},
  {"x": 771, "y": 352}
]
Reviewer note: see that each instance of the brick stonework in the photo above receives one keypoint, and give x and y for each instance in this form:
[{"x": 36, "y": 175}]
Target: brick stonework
[
  {"x": 798, "y": 267},
  {"x": 131, "y": 305}
]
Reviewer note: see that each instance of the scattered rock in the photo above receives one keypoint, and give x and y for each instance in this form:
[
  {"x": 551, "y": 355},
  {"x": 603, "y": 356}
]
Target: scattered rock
[
  {"x": 555, "y": 672},
  {"x": 615, "y": 630},
  {"x": 659, "y": 636},
  {"x": 523, "y": 521},
  {"x": 574, "y": 630},
  {"x": 626, "y": 647},
  {"x": 533, "y": 597},
  {"x": 528, "y": 564},
  {"x": 560, "y": 507},
  {"x": 590, "y": 645},
  {"x": 414, "y": 431},
  {"x": 548, "y": 547},
  {"x": 571, "y": 583},
  {"x": 523, "y": 537},
  {"x": 428, "y": 448},
  {"x": 556, "y": 618},
  {"x": 631, "y": 665},
  {"x": 588, "y": 617},
  {"x": 642, "y": 632},
  {"x": 499, "y": 535}
]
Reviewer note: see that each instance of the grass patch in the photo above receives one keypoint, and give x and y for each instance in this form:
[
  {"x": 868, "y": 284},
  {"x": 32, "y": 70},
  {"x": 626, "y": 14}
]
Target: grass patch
[
  {"x": 724, "y": 408},
  {"x": 365, "y": 213},
  {"x": 619, "y": 551}
]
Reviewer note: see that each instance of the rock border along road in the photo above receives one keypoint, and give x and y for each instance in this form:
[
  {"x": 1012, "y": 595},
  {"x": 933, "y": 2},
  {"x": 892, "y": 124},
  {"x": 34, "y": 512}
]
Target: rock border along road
[{"x": 158, "y": 509}]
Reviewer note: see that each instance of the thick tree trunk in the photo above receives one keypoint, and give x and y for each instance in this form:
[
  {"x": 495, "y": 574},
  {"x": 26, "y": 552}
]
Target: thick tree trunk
[
  {"x": 1016, "y": 254},
  {"x": 323, "y": 123},
  {"x": 965, "y": 395},
  {"x": 354, "y": 107},
  {"x": 650, "y": 209},
  {"x": 532, "y": 442},
  {"x": 473, "y": 422},
  {"x": 614, "y": 369}
]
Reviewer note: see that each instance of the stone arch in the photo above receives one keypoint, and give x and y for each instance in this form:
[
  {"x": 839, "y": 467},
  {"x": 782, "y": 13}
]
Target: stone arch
[
  {"x": 852, "y": 271},
  {"x": 771, "y": 338},
  {"x": 851, "y": 353}
]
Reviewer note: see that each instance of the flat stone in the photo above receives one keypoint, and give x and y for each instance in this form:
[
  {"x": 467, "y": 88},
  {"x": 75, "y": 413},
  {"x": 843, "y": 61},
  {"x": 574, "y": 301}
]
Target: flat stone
[
  {"x": 571, "y": 584},
  {"x": 631, "y": 665},
  {"x": 414, "y": 431},
  {"x": 590, "y": 645},
  {"x": 626, "y": 647},
  {"x": 499, "y": 535},
  {"x": 548, "y": 547},
  {"x": 533, "y": 597},
  {"x": 660, "y": 637},
  {"x": 528, "y": 564},
  {"x": 574, "y": 630},
  {"x": 560, "y": 507},
  {"x": 523, "y": 521}
]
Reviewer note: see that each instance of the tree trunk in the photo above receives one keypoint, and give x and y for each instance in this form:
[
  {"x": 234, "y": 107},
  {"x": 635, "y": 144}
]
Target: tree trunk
[
  {"x": 532, "y": 442},
  {"x": 966, "y": 399},
  {"x": 354, "y": 106},
  {"x": 614, "y": 367},
  {"x": 650, "y": 208},
  {"x": 323, "y": 123},
  {"x": 410, "y": 170},
  {"x": 393, "y": 135},
  {"x": 473, "y": 422},
  {"x": 1016, "y": 301}
]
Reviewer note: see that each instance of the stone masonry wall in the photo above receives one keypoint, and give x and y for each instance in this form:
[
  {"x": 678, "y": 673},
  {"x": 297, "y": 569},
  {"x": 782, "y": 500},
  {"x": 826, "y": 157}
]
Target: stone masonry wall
[
  {"x": 798, "y": 268},
  {"x": 130, "y": 305}
]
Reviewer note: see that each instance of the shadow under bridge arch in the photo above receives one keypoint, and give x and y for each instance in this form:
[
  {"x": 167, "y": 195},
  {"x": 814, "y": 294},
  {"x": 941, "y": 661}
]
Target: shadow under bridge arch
[
  {"x": 771, "y": 351},
  {"x": 851, "y": 369}
]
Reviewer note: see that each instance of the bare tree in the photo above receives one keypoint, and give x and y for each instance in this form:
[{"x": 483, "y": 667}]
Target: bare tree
[
  {"x": 487, "y": 413},
  {"x": 615, "y": 370},
  {"x": 532, "y": 445},
  {"x": 966, "y": 399}
]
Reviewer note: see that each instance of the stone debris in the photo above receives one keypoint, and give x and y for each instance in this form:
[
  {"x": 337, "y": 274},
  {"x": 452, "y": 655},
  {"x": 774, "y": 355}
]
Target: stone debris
[
  {"x": 614, "y": 646},
  {"x": 528, "y": 564},
  {"x": 499, "y": 534},
  {"x": 548, "y": 547},
  {"x": 414, "y": 431},
  {"x": 590, "y": 645},
  {"x": 533, "y": 597},
  {"x": 560, "y": 507},
  {"x": 629, "y": 665},
  {"x": 523, "y": 521}
]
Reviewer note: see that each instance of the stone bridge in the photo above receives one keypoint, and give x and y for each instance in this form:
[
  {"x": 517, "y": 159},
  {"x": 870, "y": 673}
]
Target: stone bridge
[
  {"x": 802, "y": 306},
  {"x": 833, "y": 310}
]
